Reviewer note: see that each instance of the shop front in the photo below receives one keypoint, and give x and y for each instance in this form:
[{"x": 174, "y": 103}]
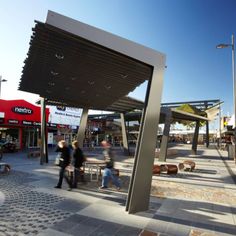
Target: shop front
[{"x": 20, "y": 123}]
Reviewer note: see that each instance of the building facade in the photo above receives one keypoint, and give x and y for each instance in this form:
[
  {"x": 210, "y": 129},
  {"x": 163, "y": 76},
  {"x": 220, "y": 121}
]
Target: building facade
[{"x": 20, "y": 123}]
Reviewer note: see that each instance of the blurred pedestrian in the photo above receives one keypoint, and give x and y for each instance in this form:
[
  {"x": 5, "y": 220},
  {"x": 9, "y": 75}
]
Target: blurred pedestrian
[{"x": 109, "y": 173}]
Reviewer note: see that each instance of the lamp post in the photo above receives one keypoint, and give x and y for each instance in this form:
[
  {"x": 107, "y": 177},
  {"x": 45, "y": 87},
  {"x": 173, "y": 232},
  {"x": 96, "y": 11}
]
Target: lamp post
[
  {"x": 1, "y": 80},
  {"x": 234, "y": 82},
  {"x": 219, "y": 126}
]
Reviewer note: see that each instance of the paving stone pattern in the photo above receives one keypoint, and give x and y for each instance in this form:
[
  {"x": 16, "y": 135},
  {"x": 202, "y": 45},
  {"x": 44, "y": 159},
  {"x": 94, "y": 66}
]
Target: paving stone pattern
[
  {"x": 79, "y": 225},
  {"x": 197, "y": 203},
  {"x": 26, "y": 211}
]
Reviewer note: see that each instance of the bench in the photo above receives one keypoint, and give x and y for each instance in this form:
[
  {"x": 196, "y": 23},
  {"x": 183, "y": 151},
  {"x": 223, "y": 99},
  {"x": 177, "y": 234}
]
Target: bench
[
  {"x": 6, "y": 167},
  {"x": 156, "y": 170},
  {"x": 170, "y": 169},
  {"x": 187, "y": 165}
]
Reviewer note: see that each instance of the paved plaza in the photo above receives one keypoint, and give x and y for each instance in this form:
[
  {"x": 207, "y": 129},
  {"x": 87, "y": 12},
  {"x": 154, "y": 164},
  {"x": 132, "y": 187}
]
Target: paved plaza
[{"x": 202, "y": 202}]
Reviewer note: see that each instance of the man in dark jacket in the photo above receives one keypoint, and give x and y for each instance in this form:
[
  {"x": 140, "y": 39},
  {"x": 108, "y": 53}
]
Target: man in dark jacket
[
  {"x": 78, "y": 160},
  {"x": 64, "y": 162}
]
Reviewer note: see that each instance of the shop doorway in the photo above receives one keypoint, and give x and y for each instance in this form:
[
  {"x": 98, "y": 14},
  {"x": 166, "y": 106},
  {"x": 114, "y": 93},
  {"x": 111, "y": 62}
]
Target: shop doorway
[{"x": 31, "y": 138}]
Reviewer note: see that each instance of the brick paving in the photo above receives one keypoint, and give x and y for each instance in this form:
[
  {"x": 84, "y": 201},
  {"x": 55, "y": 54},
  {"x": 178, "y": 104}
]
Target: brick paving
[{"x": 26, "y": 211}]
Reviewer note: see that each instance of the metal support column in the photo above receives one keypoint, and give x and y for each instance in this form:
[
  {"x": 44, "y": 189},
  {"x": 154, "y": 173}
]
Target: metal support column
[
  {"x": 141, "y": 179},
  {"x": 46, "y": 139},
  {"x": 195, "y": 138},
  {"x": 82, "y": 127},
  {"x": 43, "y": 151},
  {"x": 165, "y": 137},
  {"x": 219, "y": 140},
  {"x": 207, "y": 134},
  {"x": 124, "y": 134}
]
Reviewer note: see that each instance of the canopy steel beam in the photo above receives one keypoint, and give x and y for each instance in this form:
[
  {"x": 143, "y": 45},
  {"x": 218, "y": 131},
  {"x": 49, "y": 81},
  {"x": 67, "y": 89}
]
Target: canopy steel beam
[
  {"x": 82, "y": 127},
  {"x": 165, "y": 137},
  {"x": 141, "y": 179}
]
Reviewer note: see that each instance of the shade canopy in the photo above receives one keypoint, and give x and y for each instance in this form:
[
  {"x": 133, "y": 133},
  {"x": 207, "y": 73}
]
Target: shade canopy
[
  {"x": 122, "y": 105},
  {"x": 182, "y": 115},
  {"x": 136, "y": 116},
  {"x": 213, "y": 111},
  {"x": 82, "y": 66},
  {"x": 64, "y": 65}
]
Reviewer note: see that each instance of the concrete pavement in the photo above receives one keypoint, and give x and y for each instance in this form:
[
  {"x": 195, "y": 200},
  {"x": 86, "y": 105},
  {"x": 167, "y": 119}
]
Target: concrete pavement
[{"x": 202, "y": 202}]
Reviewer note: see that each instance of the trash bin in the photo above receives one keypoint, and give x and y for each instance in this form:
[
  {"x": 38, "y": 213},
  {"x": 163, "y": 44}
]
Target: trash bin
[{"x": 231, "y": 151}]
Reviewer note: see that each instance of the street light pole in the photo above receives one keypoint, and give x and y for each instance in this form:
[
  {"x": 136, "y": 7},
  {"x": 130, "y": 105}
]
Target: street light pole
[
  {"x": 1, "y": 80},
  {"x": 219, "y": 127},
  {"x": 234, "y": 92},
  {"x": 234, "y": 84}
]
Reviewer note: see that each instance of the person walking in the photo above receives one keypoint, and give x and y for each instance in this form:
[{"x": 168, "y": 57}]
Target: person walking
[
  {"x": 77, "y": 162},
  {"x": 109, "y": 171},
  {"x": 65, "y": 159}
]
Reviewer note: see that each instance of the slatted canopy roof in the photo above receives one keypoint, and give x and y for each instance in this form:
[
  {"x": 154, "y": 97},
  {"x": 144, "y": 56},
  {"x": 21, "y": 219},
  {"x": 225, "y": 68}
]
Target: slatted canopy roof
[
  {"x": 134, "y": 116},
  {"x": 122, "y": 105},
  {"x": 67, "y": 68},
  {"x": 201, "y": 105}
]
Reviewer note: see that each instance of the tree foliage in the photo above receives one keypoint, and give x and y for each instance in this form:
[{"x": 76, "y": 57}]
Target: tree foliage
[{"x": 193, "y": 110}]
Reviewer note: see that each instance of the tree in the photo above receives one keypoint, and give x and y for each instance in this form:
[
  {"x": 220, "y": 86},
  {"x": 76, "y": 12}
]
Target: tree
[{"x": 193, "y": 110}]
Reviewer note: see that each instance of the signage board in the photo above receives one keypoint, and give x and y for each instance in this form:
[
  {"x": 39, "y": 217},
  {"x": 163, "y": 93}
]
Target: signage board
[
  {"x": 65, "y": 115},
  {"x": 21, "y": 112}
]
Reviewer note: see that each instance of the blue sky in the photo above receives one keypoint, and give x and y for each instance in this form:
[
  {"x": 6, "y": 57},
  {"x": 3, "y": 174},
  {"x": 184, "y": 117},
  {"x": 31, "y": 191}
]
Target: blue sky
[{"x": 187, "y": 31}]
